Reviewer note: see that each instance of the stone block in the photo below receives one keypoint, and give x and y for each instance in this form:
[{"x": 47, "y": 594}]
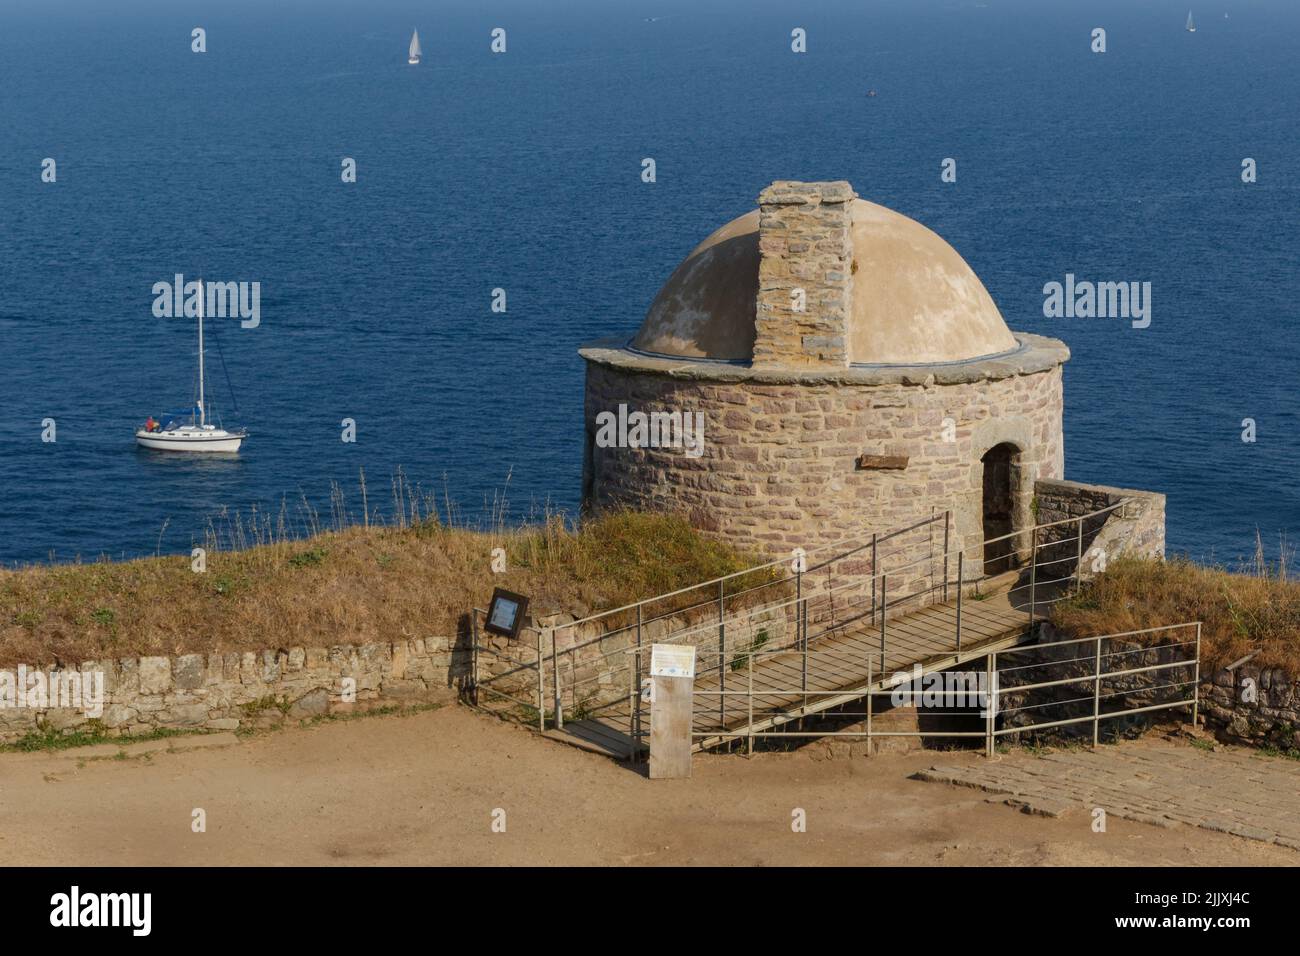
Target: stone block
[
  {"x": 312, "y": 704},
  {"x": 155, "y": 675},
  {"x": 270, "y": 666},
  {"x": 188, "y": 672},
  {"x": 119, "y": 715},
  {"x": 185, "y": 715}
]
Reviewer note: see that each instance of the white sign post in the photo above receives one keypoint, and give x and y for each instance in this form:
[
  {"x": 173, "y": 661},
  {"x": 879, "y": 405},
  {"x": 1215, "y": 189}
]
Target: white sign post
[{"x": 672, "y": 669}]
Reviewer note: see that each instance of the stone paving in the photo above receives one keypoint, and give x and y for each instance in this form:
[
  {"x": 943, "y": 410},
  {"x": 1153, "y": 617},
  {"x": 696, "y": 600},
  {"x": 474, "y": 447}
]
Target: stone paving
[{"x": 1167, "y": 785}]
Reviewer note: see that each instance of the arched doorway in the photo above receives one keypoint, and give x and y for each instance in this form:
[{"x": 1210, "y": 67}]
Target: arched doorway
[{"x": 1001, "y": 478}]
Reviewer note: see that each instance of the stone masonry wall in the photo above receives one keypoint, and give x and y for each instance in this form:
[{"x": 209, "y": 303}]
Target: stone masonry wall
[
  {"x": 1137, "y": 528},
  {"x": 1253, "y": 705},
  {"x": 805, "y": 242},
  {"x": 233, "y": 690},
  {"x": 779, "y": 465}
]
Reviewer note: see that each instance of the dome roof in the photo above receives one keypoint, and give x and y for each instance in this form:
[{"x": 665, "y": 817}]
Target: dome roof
[{"x": 915, "y": 301}]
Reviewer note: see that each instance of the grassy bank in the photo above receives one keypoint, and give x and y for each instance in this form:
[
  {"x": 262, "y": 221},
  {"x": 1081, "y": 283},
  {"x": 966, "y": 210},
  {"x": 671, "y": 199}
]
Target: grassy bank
[
  {"x": 1241, "y": 613},
  {"x": 348, "y": 586}
]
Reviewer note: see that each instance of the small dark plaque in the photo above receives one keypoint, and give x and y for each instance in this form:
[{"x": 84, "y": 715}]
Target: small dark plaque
[
  {"x": 866, "y": 462},
  {"x": 505, "y": 615}
]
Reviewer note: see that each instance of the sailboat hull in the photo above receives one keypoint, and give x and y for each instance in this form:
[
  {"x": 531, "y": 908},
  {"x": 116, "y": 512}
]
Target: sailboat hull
[{"x": 193, "y": 441}]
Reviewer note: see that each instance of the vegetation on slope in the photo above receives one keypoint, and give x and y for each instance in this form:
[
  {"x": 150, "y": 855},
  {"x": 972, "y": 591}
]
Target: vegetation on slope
[
  {"x": 1241, "y": 613},
  {"x": 351, "y": 585}
]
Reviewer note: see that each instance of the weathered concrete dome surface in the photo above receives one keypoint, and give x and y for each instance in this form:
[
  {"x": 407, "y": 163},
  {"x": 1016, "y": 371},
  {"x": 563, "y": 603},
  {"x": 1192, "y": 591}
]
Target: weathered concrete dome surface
[{"x": 915, "y": 301}]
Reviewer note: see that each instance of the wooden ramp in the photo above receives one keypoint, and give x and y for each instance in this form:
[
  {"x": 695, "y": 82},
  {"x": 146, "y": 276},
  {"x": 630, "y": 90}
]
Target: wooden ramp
[{"x": 842, "y": 665}]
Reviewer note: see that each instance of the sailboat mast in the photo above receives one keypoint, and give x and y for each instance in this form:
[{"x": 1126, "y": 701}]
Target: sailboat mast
[{"x": 203, "y": 416}]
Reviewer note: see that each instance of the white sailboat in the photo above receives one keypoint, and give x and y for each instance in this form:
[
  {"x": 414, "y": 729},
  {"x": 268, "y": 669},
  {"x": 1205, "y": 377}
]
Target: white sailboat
[
  {"x": 196, "y": 435},
  {"x": 1191, "y": 27},
  {"x": 413, "y": 56}
]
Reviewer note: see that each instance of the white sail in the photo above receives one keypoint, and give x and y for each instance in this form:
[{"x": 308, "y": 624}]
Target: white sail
[
  {"x": 414, "y": 55},
  {"x": 1191, "y": 27}
]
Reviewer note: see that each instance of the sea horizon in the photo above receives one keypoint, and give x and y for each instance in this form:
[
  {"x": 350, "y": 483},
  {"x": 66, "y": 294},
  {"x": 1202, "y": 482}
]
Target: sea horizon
[{"x": 478, "y": 171}]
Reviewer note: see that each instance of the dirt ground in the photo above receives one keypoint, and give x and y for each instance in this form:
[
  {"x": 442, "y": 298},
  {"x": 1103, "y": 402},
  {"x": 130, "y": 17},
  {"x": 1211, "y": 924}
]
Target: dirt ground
[{"x": 422, "y": 790}]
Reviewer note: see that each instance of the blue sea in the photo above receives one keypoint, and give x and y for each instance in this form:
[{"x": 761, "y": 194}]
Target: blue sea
[{"x": 522, "y": 171}]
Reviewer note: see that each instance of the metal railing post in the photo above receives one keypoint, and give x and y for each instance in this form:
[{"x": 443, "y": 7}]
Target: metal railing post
[
  {"x": 875, "y": 570},
  {"x": 990, "y": 702},
  {"x": 961, "y": 574},
  {"x": 803, "y": 621},
  {"x": 947, "y": 515},
  {"x": 798, "y": 607},
  {"x": 1078, "y": 567},
  {"x": 555, "y": 669},
  {"x": 750, "y": 698},
  {"x": 1196, "y": 679},
  {"x": 722, "y": 656},
  {"x": 541, "y": 685},
  {"x": 884, "y": 592},
  {"x": 803, "y": 682},
  {"x": 636, "y": 724},
  {"x": 1096, "y": 695},
  {"x": 633, "y": 695},
  {"x": 801, "y": 629},
  {"x": 1033, "y": 572},
  {"x": 869, "y": 683}
]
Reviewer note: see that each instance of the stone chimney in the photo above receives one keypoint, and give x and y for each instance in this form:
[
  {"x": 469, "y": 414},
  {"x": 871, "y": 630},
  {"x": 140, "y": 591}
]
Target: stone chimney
[{"x": 805, "y": 282}]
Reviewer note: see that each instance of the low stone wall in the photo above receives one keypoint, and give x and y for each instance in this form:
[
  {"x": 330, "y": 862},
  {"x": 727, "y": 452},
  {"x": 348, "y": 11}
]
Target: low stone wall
[
  {"x": 1136, "y": 528},
  {"x": 1253, "y": 705},
  {"x": 235, "y": 690},
  {"x": 1242, "y": 704}
]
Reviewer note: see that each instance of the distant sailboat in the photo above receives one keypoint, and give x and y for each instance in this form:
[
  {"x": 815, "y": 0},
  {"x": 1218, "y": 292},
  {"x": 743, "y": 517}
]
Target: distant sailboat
[
  {"x": 196, "y": 434},
  {"x": 413, "y": 57},
  {"x": 1191, "y": 27}
]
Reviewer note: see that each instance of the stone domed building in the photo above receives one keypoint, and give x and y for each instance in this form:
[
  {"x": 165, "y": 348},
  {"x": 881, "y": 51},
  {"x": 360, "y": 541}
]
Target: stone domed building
[{"x": 845, "y": 371}]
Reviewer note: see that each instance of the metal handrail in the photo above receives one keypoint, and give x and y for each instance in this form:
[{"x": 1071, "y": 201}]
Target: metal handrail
[
  {"x": 882, "y": 575},
  {"x": 737, "y": 574},
  {"x": 703, "y": 626},
  {"x": 990, "y": 733},
  {"x": 800, "y": 603}
]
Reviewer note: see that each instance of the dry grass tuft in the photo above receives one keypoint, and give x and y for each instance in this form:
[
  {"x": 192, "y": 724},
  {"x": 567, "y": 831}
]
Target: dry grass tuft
[
  {"x": 357, "y": 584},
  {"x": 1254, "y": 611}
]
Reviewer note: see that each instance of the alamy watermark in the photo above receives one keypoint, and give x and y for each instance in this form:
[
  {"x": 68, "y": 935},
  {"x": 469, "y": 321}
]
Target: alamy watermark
[
  {"x": 130, "y": 910},
  {"x": 946, "y": 689},
  {"x": 221, "y": 300},
  {"x": 1100, "y": 300},
  {"x": 39, "y": 690},
  {"x": 626, "y": 429}
]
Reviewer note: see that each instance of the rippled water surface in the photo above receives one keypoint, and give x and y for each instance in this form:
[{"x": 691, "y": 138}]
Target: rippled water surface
[{"x": 521, "y": 171}]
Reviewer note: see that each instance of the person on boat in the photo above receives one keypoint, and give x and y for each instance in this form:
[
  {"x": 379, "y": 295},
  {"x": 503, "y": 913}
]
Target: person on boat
[{"x": 150, "y": 425}]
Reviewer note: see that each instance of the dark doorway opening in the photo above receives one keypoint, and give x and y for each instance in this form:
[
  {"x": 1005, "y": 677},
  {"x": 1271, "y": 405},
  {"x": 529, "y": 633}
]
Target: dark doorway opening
[{"x": 1001, "y": 463}]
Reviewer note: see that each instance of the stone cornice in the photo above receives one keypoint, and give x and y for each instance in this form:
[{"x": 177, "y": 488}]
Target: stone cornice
[{"x": 1037, "y": 353}]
